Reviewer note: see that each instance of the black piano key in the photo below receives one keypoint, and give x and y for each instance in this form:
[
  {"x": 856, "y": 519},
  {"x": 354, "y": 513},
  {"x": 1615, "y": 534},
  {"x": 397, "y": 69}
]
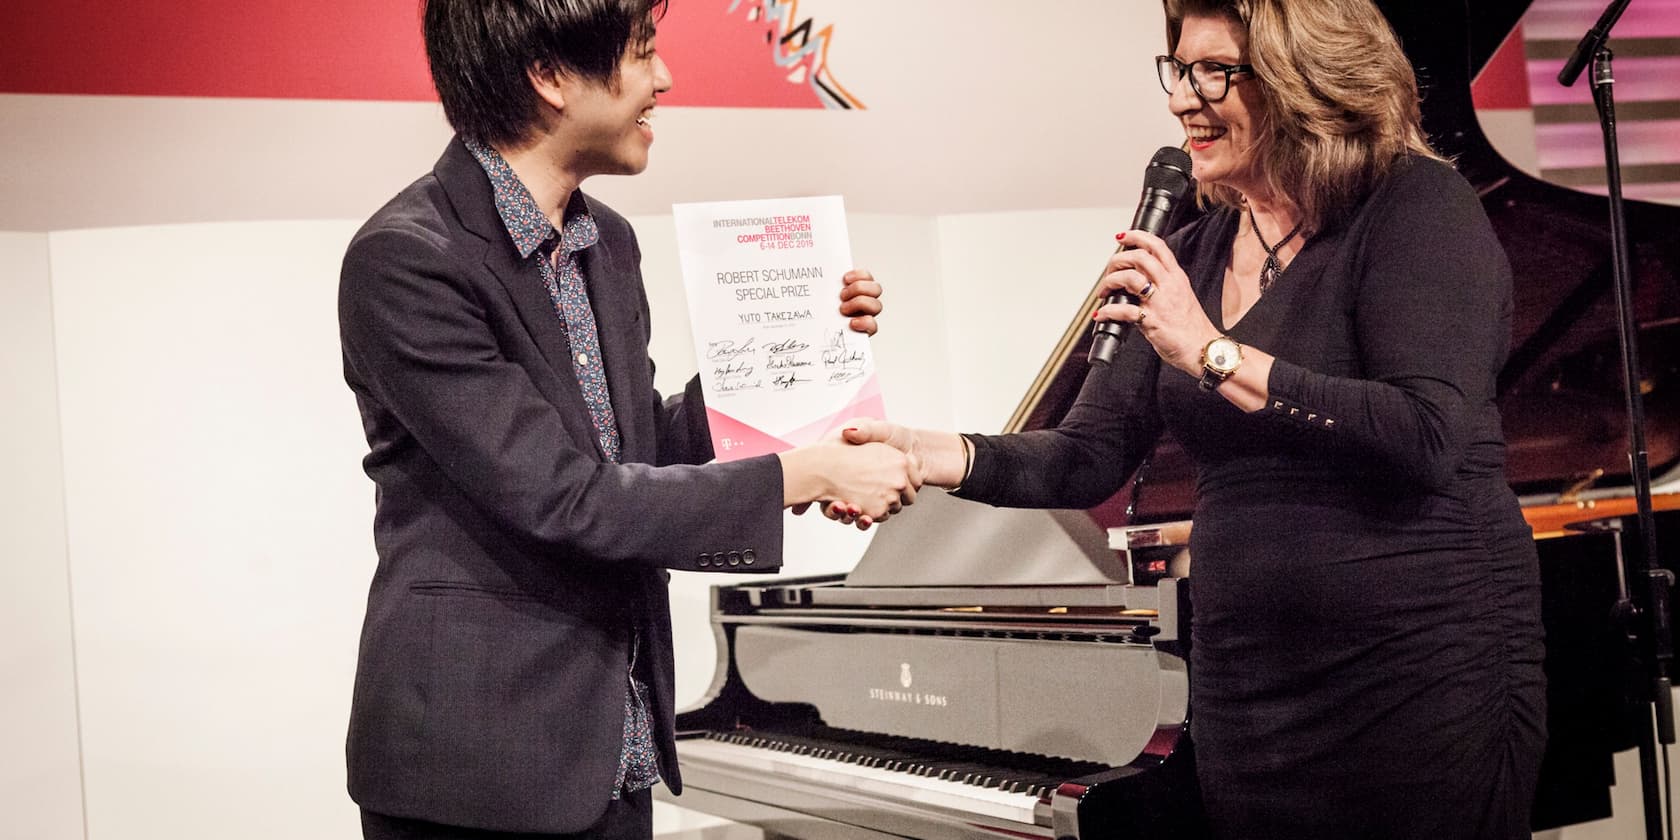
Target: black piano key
[{"x": 1016, "y": 772}]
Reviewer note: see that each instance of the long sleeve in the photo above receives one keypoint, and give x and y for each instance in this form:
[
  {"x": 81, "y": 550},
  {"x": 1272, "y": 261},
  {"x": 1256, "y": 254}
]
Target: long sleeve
[
  {"x": 1107, "y": 433},
  {"x": 684, "y": 433},
  {"x": 429, "y": 361},
  {"x": 1431, "y": 320}
]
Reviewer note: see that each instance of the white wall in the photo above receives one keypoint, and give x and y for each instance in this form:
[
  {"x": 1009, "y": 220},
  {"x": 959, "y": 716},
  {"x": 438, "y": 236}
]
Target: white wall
[
  {"x": 40, "y": 776},
  {"x": 1011, "y": 284},
  {"x": 219, "y": 541}
]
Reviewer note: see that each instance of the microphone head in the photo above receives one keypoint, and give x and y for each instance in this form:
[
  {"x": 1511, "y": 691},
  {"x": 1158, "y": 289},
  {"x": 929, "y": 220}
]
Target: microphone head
[{"x": 1168, "y": 171}]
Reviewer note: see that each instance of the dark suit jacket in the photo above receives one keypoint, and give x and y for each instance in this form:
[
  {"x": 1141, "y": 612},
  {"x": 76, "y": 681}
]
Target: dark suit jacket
[{"x": 514, "y": 561}]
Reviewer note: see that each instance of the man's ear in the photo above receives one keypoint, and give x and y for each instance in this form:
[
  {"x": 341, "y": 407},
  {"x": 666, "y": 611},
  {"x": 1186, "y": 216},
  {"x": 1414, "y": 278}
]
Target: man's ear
[{"x": 549, "y": 85}]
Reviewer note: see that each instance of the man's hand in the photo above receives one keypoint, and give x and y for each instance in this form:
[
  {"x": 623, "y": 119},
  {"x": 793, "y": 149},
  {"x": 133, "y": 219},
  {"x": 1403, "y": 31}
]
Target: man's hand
[
  {"x": 942, "y": 457},
  {"x": 877, "y": 480},
  {"x": 860, "y": 300},
  {"x": 864, "y": 431}
]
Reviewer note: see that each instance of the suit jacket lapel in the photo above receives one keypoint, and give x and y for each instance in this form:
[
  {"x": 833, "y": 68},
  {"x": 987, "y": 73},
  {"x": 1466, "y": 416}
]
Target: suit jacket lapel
[
  {"x": 475, "y": 204},
  {"x": 612, "y": 293}
]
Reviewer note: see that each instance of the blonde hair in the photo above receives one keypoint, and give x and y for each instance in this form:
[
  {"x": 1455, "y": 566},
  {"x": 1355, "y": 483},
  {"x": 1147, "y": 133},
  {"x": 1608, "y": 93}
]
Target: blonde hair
[{"x": 1341, "y": 103}]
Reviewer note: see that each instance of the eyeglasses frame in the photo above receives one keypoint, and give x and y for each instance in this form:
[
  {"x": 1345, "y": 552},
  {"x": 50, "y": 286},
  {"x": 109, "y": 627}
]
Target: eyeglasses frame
[{"x": 1184, "y": 71}]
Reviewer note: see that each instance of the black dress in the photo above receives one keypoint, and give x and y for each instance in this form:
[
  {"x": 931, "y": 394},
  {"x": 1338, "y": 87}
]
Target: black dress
[{"x": 1366, "y": 657}]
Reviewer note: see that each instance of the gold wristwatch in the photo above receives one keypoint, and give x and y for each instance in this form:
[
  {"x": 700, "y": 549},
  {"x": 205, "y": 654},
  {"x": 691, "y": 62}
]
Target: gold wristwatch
[{"x": 1220, "y": 359}]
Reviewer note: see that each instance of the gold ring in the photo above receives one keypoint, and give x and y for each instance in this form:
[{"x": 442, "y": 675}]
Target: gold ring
[
  {"x": 1147, "y": 292},
  {"x": 1142, "y": 314}
]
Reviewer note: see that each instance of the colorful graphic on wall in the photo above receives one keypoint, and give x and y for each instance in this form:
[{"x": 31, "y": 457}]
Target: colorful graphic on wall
[
  {"x": 750, "y": 54},
  {"x": 805, "y": 61},
  {"x": 722, "y": 53}
]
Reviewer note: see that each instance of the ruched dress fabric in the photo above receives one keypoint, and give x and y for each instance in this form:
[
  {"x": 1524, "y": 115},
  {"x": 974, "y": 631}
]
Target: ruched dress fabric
[{"x": 1366, "y": 656}]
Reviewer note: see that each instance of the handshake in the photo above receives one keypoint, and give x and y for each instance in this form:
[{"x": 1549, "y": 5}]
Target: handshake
[{"x": 871, "y": 470}]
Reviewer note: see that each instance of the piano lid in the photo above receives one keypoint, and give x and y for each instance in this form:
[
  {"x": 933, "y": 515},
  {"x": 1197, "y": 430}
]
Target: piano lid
[
  {"x": 1560, "y": 390},
  {"x": 951, "y": 542}
]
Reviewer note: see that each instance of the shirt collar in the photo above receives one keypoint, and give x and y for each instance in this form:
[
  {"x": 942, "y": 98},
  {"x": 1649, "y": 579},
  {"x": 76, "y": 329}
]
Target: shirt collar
[{"x": 526, "y": 223}]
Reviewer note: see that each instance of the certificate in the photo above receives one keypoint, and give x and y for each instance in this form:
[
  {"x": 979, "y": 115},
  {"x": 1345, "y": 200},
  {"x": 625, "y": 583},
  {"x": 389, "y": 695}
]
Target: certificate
[{"x": 779, "y": 365}]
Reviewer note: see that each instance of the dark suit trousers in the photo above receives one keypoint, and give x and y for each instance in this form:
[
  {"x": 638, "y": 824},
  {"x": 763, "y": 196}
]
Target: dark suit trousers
[{"x": 628, "y": 818}]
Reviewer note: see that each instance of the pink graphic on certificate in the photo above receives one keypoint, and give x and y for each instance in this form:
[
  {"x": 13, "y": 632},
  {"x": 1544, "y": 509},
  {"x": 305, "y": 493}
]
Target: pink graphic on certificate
[
  {"x": 779, "y": 365},
  {"x": 733, "y": 439}
]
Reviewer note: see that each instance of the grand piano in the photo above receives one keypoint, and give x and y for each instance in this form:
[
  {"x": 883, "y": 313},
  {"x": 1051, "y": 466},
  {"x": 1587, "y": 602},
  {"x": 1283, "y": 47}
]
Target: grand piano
[{"x": 986, "y": 673}]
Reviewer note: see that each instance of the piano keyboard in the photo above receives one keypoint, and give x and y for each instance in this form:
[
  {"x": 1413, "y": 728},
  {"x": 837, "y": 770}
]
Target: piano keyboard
[{"x": 995, "y": 783}]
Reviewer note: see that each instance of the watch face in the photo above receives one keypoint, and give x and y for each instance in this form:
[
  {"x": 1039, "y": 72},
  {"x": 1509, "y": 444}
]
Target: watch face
[{"x": 1223, "y": 355}]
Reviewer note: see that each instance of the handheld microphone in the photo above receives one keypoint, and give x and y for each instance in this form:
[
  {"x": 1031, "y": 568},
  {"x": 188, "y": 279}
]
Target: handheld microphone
[{"x": 1165, "y": 183}]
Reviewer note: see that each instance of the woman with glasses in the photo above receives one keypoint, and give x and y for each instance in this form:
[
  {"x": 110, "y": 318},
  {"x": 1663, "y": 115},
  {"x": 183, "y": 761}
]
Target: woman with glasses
[{"x": 1324, "y": 342}]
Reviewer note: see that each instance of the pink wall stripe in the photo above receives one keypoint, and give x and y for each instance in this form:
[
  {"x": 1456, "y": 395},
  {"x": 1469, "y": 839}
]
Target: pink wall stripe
[
  {"x": 1570, "y": 19},
  {"x": 1637, "y": 80},
  {"x": 333, "y": 49}
]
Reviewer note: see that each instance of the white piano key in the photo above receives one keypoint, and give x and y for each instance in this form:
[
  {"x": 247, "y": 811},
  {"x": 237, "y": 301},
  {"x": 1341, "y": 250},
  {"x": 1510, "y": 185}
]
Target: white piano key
[{"x": 906, "y": 787}]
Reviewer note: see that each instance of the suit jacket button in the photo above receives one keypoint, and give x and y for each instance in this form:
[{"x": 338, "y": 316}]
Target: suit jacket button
[
  {"x": 749, "y": 557},
  {"x": 734, "y": 558},
  {"x": 705, "y": 560}
]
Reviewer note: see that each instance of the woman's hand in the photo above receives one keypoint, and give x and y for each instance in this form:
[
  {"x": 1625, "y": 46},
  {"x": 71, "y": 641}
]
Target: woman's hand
[
  {"x": 1167, "y": 313},
  {"x": 940, "y": 454},
  {"x": 941, "y": 457}
]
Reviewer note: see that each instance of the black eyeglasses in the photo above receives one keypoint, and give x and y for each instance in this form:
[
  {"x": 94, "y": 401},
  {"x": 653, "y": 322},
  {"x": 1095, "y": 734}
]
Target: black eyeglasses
[{"x": 1211, "y": 80}]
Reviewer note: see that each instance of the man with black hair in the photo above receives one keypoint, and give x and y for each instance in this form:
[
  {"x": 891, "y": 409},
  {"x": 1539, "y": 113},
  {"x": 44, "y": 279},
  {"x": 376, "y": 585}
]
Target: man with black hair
[{"x": 515, "y": 674}]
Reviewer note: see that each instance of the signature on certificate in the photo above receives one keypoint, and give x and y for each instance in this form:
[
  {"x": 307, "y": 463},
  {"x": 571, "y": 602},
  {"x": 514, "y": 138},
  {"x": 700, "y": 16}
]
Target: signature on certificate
[
  {"x": 735, "y": 376},
  {"x": 728, "y": 349},
  {"x": 787, "y": 363},
  {"x": 787, "y": 355},
  {"x": 784, "y": 381},
  {"x": 786, "y": 347},
  {"x": 843, "y": 361}
]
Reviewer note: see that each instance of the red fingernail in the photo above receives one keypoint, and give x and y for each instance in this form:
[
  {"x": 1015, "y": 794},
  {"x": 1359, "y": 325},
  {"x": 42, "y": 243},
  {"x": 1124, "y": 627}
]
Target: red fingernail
[
  {"x": 1094, "y": 314},
  {"x": 1119, "y": 236},
  {"x": 849, "y": 429}
]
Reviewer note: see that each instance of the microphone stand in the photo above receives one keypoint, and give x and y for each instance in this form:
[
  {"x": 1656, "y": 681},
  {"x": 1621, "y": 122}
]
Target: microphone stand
[{"x": 1644, "y": 607}]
